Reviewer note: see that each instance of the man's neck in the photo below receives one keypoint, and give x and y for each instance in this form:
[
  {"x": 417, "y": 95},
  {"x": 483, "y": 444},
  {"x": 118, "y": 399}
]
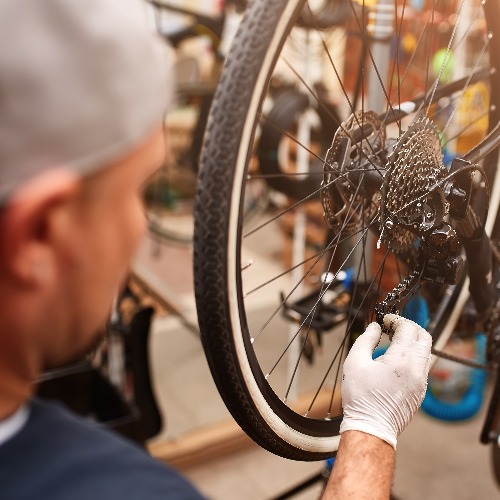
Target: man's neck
[
  {"x": 14, "y": 393},
  {"x": 20, "y": 362},
  {"x": 18, "y": 373}
]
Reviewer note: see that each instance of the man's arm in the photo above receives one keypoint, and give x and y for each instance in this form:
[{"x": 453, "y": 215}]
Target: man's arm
[
  {"x": 379, "y": 398},
  {"x": 364, "y": 468}
]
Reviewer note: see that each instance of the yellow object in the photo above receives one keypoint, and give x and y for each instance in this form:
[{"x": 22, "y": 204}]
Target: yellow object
[
  {"x": 409, "y": 43},
  {"x": 472, "y": 116}
]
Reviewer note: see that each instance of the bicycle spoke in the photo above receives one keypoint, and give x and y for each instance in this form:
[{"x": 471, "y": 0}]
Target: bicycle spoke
[
  {"x": 319, "y": 255},
  {"x": 338, "y": 353},
  {"x": 445, "y": 61},
  {"x": 307, "y": 317},
  {"x": 284, "y": 175},
  {"x": 323, "y": 287},
  {"x": 297, "y": 285},
  {"x": 335, "y": 383},
  {"x": 321, "y": 292},
  {"x": 468, "y": 126},
  {"x": 281, "y": 305},
  {"x": 315, "y": 96},
  {"x": 297, "y": 204},
  {"x": 396, "y": 65},
  {"x": 362, "y": 29},
  {"x": 344, "y": 339}
]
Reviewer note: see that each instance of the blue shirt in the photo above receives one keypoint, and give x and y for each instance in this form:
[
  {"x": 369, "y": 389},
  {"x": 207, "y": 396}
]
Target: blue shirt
[{"x": 58, "y": 455}]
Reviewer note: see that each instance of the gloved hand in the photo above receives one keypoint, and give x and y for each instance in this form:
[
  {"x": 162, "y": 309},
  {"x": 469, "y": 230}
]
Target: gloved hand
[{"x": 381, "y": 396}]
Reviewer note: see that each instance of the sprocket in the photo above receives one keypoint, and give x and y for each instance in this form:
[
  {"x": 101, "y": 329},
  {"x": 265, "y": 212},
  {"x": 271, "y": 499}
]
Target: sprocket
[{"x": 408, "y": 204}]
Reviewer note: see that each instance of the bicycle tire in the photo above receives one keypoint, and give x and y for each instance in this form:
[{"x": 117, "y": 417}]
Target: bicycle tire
[
  {"x": 218, "y": 235},
  {"x": 288, "y": 106},
  {"x": 329, "y": 14},
  {"x": 495, "y": 462}
]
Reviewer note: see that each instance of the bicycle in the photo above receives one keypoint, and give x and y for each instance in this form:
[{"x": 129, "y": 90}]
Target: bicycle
[
  {"x": 169, "y": 195},
  {"x": 174, "y": 186},
  {"x": 418, "y": 174}
]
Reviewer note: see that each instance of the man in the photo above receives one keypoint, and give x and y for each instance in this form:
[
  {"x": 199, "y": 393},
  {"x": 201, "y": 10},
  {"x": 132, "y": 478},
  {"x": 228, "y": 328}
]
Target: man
[{"x": 83, "y": 88}]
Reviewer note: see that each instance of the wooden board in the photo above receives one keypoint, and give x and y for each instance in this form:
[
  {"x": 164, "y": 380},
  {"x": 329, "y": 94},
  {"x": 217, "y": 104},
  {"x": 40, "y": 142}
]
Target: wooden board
[{"x": 215, "y": 441}]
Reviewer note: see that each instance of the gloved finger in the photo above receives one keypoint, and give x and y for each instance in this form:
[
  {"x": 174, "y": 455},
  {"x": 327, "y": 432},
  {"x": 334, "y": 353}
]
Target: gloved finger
[
  {"x": 422, "y": 348},
  {"x": 424, "y": 338},
  {"x": 404, "y": 329},
  {"x": 409, "y": 337},
  {"x": 365, "y": 344}
]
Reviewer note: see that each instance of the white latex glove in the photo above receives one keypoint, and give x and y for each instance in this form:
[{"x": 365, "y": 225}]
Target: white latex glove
[{"x": 381, "y": 396}]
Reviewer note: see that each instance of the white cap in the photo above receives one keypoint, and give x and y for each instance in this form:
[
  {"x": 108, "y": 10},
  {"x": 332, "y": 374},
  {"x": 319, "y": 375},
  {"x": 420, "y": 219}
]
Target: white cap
[{"x": 82, "y": 82}]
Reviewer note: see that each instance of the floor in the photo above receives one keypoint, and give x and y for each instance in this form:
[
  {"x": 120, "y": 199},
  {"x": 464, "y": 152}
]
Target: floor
[{"x": 435, "y": 460}]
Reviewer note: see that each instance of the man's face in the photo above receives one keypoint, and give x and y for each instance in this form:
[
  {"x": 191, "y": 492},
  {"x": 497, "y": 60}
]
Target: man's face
[{"x": 110, "y": 221}]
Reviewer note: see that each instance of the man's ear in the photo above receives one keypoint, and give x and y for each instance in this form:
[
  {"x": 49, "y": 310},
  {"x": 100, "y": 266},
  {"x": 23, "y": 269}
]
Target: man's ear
[{"x": 29, "y": 222}]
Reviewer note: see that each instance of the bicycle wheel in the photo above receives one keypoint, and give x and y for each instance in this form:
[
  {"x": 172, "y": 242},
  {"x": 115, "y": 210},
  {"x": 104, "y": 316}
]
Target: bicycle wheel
[{"x": 382, "y": 196}]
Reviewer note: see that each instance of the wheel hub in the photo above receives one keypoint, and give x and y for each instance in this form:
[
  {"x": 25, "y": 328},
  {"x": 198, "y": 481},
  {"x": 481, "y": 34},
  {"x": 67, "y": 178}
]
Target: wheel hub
[{"x": 347, "y": 206}]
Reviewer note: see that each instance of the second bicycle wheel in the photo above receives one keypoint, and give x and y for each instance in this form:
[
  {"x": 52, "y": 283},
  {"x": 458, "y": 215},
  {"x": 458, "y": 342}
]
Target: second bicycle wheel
[{"x": 281, "y": 301}]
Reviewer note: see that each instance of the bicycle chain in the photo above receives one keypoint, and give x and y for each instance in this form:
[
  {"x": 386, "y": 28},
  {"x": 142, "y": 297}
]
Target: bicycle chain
[
  {"x": 493, "y": 335},
  {"x": 492, "y": 330},
  {"x": 399, "y": 296},
  {"x": 396, "y": 297},
  {"x": 457, "y": 359}
]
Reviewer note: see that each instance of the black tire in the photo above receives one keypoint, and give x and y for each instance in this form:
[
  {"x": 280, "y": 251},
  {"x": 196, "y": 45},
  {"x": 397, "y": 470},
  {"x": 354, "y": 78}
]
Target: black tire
[
  {"x": 220, "y": 269},
  {"x": 331, "y": 13},
  {"x": 288, "y": 106},
  {"x": 495, "y": 462}
]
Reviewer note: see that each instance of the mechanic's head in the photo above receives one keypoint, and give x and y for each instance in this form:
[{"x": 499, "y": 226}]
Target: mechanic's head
[{"x": 84, "y": 86}]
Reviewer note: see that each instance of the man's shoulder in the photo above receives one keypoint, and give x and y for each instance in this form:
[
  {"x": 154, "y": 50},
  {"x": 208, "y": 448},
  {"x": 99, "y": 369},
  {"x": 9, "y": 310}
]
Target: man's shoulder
[{"x": 70, "y": 456}]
